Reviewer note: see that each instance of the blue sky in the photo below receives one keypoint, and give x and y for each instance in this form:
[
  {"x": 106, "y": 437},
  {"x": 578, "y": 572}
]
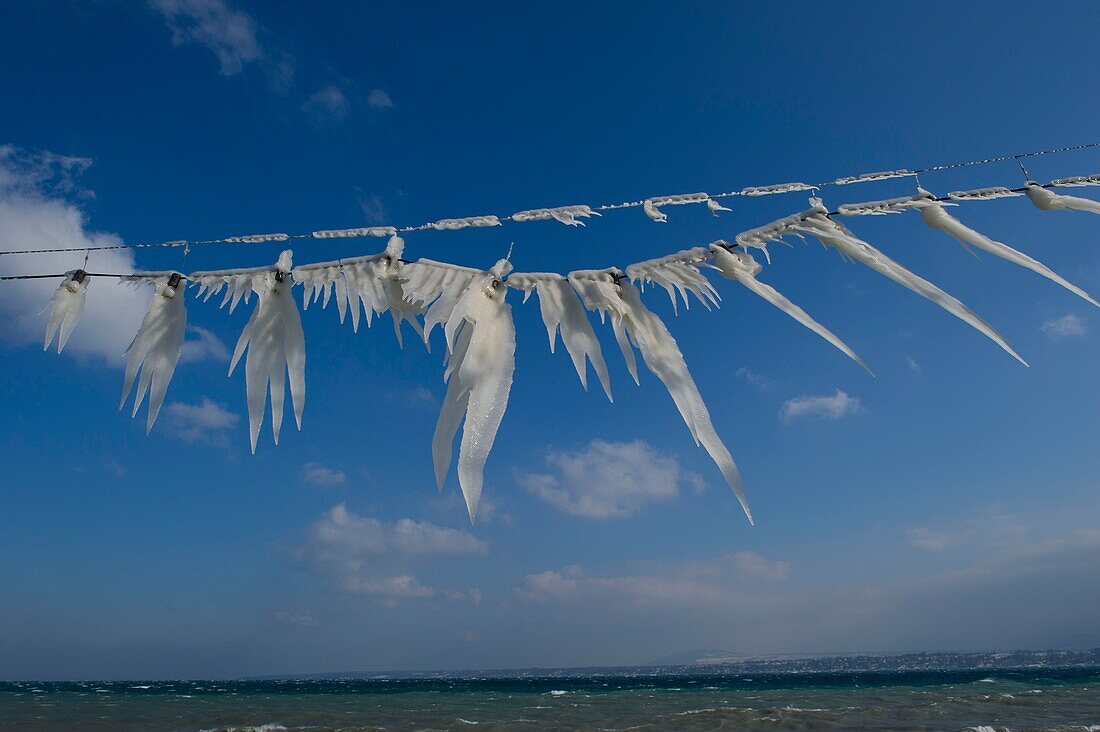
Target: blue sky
[{"x": 949, "y": 503}]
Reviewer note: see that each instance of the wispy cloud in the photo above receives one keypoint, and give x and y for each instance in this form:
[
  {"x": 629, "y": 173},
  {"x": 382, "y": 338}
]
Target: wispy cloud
[
  {"x": 1067, "y": 326},
  {"x": 915, "y": 367},
  {"x": 833, "y": 407},
  {"x": 366, "y": 556},
  {"x": 374, "y": 210},
  {"x": 379, "y": 99},
  {"x": 206, "y": 421},
  {"x": 758, "y": 380},
  {"x": 316, "y": 474},
  {"x": 684, "y": 583},
  {"x": 608, "y": 479},
  {"x": 291, "y": 617},
  {"x": 231, "y": 35},
  {"x": 201, "y": 345},
  {"x": 420, "y": 396},
  {"x": 328, "y": 104}
]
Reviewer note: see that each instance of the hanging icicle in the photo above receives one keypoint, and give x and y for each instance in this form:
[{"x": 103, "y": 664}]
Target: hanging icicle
[
  {"x": 562, "y": 310},
  {"x": 239, "y": 284},
  {"x": 377, "y": 282},
  {"x": 607, "y": 291},
  {"x": 741, "y": 267},
  {"x": 374, "y": 280},
  {"x": 66, "y": 305},
  {"x": 156, "y": 348},
  {"x": 480, "y": 361},
  {"x": 678, "y": 273},
  {"x": 935, "y": 215},
  {"x": 276, "y": 348},
  {"x": 815, "y": 222},
  {"x": 1046, "y": 200},
  {"x": 437, "y": 287}
]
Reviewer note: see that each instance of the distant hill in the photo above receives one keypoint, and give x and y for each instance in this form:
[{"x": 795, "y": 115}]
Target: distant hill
[{"x": 711, "y": 661}]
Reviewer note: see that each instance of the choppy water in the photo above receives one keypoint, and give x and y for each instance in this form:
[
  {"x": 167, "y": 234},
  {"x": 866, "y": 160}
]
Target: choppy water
[{"x": 1041, "y": 699}]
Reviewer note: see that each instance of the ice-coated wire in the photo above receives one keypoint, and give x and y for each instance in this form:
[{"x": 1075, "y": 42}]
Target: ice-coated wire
[{"x": 492, "y": 220}]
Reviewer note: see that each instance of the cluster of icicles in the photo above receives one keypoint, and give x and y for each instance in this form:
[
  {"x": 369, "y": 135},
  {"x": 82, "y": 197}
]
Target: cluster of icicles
[{"x": 469, "y": 305}]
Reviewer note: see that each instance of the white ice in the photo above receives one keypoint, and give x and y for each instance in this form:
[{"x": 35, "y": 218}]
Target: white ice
[
  {"x": 156, "y": 348},
  {"x": 935, "y": 216},
  {"x": 678, "y": 272},
  {"x": 562, "y": 310},
  {"x": 481, "y": 341},
  {"x": 1047, "y": 200},
  {"x": 741, "y": 267},
  {"x": 276, "y": 348},
  {"x": 607, "y": 291},
  {"x": 817, "y": 223},
  {"x": 66, "y": 305}
]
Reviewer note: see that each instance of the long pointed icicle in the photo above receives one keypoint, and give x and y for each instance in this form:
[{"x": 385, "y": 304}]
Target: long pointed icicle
[
  {"x": 156, "y": 348},
  {"x": 66, "y": 305},
  {"x": 276, "y": 348},
  {"x": 936, "y": 216},
  {"x": 607, "y": 291},
  {"x": 481, "y": 341},
  {"x": 561, "y": 310},
  {"x": 816, "y": 222},
  {"x": 741, "y": 266},
  {"x": 1046, "y": 200}
]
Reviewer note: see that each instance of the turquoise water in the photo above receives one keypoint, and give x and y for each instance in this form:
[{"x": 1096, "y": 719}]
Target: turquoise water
[{"x": 1039, "y": 699}]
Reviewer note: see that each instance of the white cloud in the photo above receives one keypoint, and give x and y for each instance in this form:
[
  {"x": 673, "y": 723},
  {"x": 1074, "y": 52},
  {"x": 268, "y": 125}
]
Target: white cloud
[
  {"x": 608, "y": 479},
  {"x": 343, "y": 537},
  {"x": 37, "y": 211},
  {"x": 678, "y": 584},
  {"x": 400, "y": 586},
  {"x": 420, "y": 396},
  {"x": 206, "y": 421},
  {"x": 928, "y": 539},
  {"x": 290, "y": 617},
  {"x": 760, "y": 381},
  {"x": 319, "y": 475},
  {"x": 991, "y": 528},
  {"x": 379, "y": 99},
  {"x": 374, "y": 210},
  {"x": 366, "y": 556},
  {"x": 915, "y": 367},
  {"x": 328, "y": 104},
  {"x": 820, "y": 407},
  {"x": 201, "y": 345},
  {"x": 1067, "y": 326},
  {"x": 230, "y": 34}
]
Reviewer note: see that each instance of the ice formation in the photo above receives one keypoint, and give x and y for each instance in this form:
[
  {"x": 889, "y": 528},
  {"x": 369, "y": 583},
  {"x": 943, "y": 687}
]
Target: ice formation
[
  {"x": 816, "y": 222},
  {"x": 276, "y": 348},
  {"x": 567, "y": 215},
  {"x": 741, "y": 267},
  {"x": 374, "y": 280},
  {"x": 470, "y": 306},
  {"x": 561, "y": 310},
  {"x": 66, "y": 305},
  {"x": 608, "y": 292},
  {"x": 480, "y": 361},
  {"x": 678, "y": 273},
  {"x": 1046, "y": 200},
  {"x": 935, "y": 215},
  {"x": 652, "y": 206},
  {"x": 156, "y": 348}
]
